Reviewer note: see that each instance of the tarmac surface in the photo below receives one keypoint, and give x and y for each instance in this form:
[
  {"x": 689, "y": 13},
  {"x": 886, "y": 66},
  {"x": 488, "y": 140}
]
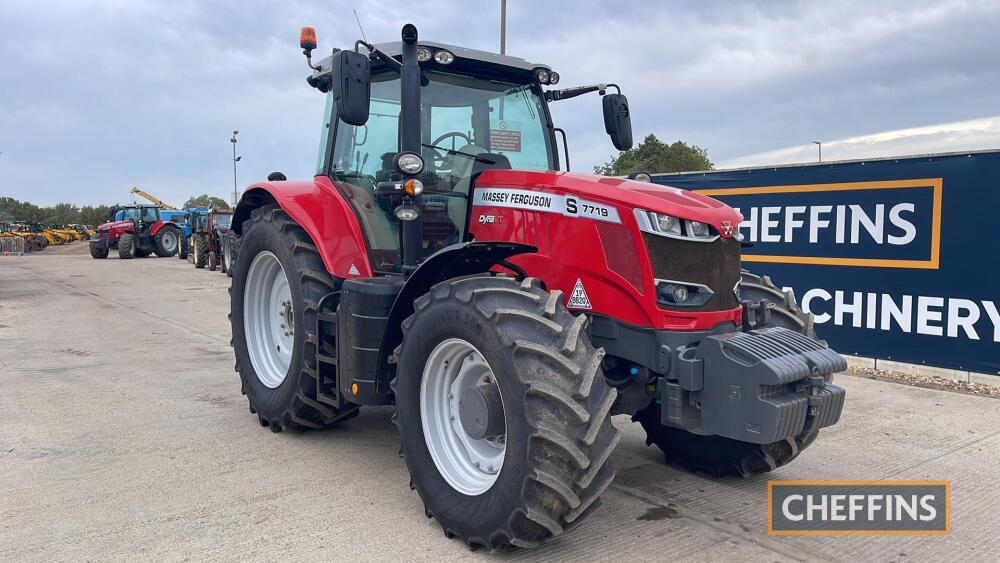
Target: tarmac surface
[{"x": 124, "y": 436}]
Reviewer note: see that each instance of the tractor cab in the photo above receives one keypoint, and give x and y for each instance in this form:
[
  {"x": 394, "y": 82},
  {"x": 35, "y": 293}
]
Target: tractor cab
[
  {"x": 146, "y": 214},
  {"x": 474, "y": 111}
]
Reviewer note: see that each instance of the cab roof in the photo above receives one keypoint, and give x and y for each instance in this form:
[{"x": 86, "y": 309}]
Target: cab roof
[{"x": 471, "y": 62}]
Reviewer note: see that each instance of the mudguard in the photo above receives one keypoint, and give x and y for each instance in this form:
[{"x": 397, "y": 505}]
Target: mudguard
[
  {"x": 319, "y": 208},
  {"x": 159, "y": 225},
  {"x": 457, "y": 260}
]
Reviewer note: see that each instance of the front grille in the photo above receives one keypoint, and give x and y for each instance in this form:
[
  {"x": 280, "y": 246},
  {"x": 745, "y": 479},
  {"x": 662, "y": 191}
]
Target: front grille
[{"x": 714, "y": 264}]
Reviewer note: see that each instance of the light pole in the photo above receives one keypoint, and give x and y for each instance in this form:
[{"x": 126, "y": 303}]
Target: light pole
[
  {"x": 235, "y": 160},
  {"x": 820, "y": 146},
  {"x": 503, "y": 27}
]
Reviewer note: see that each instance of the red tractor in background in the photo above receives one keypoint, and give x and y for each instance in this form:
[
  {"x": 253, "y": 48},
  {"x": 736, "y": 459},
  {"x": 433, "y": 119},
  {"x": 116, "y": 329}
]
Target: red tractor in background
[
  {"x": 441, "y": 262},
  {"x": 209, "y": 238},
  {"x": 136, "y": 231}
]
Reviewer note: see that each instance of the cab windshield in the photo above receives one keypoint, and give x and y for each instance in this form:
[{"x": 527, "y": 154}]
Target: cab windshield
[
  {"x": 464, "y": 120},
  {"x": 223, "y": 220}
]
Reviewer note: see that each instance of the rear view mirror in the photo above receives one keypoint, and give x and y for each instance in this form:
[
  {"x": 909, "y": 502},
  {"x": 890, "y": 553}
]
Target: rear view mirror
[
  {"x": 616, "y": 120},
  {"x": 351, "y": 86}
]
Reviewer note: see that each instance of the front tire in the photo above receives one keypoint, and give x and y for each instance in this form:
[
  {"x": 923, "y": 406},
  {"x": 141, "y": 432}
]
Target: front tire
[
  {"x": 182, "y": 248},
  {"x": 279, "y": 280},
  {"x": 230, "y": 244},
  {"x": 200, "y": 251},
  {"x": 721, "y": 456},
  {"x": 213, "y": 261},
  {"x": 98, "y": 251},
  {"x": 555, "y": 412},
  {"x": 126, "y": 246}
]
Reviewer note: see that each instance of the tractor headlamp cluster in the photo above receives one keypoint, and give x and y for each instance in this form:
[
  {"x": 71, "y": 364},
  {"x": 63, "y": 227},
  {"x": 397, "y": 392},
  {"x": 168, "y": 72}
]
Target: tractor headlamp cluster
[
  {"x": 669, "y": 226},
  {"x": 546, "y": 76},
  {"x": 440, "y": 56}
]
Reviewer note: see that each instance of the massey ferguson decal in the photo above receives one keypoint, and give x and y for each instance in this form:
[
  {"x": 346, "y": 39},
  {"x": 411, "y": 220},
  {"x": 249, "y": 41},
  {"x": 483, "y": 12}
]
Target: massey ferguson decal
[{"x": 568, "y": 205}]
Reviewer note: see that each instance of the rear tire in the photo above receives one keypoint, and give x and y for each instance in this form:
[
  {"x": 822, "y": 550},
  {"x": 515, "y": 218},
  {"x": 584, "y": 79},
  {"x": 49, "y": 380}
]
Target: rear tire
[
  {"x": 556, "y": 408},
  {"x": 286, "y": 399},
  {"x": 166, "y": 242},
  {"x": 126, "y": 246},
  {"x": 200, "y": 251},
  {"x": 38, "y": 243},
  {"x": 721, "y": 456}
]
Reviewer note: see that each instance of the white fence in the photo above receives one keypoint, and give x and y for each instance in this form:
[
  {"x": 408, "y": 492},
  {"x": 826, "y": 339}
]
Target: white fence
[{"x": 11, "y": 246}]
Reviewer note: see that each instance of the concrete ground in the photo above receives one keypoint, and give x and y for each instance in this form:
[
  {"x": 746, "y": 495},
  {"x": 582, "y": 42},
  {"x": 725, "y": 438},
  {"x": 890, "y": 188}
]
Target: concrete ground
[{"x": 123, "y": 435}]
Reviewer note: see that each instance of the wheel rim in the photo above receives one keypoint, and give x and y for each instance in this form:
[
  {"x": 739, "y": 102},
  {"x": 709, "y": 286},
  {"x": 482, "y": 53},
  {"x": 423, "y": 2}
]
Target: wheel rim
[
  {"x": 169, "y": 241},
  {"x": 469, "y": 465},
  {"x": 268, "y": 320}
]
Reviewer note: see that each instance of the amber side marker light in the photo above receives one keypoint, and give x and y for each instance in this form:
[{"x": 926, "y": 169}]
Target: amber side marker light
[{"x": 413, "y": 187}]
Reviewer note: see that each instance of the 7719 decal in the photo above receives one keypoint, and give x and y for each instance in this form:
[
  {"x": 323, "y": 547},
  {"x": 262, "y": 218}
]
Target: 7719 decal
[{"x": 570, "y": 206}]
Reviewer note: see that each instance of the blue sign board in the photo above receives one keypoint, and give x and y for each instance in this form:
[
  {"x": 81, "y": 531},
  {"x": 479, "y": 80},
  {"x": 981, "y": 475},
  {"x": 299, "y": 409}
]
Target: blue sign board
[{"x": 897, "y": 258}]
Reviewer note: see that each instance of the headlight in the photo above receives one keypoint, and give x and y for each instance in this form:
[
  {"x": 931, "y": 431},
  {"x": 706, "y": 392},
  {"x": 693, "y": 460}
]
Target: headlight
[
  {"x": 406, "y": 212},
  {"x": 443, "y": 57},
  {"x": 542, "y": 75},
  {"x": 666, "y": 223},
  {"x": 409, "y": 163},
  {"x": 423, "y": 54},
  {"x": 682, "y": 294},
  {"x": 669, "y": 226},
  {"x": 657, "y": 223},
  {"x": 553, "y": 77}
]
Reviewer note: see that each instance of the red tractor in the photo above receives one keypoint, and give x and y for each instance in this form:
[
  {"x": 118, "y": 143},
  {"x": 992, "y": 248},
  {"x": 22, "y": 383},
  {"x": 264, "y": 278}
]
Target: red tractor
[
  {"x": 210, "y": 237},
  {"x": 441, "y": 262},
  {"x": 136, "y": 231}
]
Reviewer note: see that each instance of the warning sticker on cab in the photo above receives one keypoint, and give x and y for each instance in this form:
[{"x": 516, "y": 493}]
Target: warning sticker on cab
[
  {"x": 505, "y": 136},
  {"x": 568, "y": 205}
]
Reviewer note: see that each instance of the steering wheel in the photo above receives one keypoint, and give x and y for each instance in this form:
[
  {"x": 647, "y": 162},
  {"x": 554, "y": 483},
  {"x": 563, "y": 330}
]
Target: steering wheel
[{"x": 440, "y": 155}]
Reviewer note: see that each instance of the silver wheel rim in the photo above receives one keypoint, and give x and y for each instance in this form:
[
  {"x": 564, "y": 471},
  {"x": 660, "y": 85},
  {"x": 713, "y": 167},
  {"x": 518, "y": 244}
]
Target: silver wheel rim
[
  {"x": 169, "y": 241},
  {"x": 268, "y": 321},
  {"x": 469, "y": 465}
]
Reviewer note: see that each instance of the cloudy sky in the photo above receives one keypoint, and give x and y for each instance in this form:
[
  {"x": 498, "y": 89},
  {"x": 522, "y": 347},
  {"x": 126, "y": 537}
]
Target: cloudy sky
[{"x": 98, "y": 96}]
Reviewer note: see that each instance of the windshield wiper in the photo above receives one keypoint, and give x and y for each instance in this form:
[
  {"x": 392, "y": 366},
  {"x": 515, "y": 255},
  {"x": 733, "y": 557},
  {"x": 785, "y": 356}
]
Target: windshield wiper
[{"x": 466, "y": 155}]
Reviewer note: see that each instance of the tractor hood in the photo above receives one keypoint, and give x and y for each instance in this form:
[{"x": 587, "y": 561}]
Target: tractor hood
[
  {"x": 114, "y": 224},
  {"x": 633, "y": 194}
]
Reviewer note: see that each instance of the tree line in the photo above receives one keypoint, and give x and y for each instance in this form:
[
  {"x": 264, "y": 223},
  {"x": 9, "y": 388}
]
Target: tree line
[
  {"x": 58, "y": 214},
  {"x": 653, "y": 156},
  {"x": 69, "y": 213}
]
